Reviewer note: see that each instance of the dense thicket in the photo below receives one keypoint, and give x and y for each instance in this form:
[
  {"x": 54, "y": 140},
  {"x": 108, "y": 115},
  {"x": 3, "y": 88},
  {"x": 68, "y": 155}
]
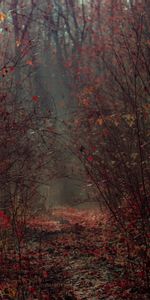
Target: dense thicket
[{"x": 74, "y": 79}]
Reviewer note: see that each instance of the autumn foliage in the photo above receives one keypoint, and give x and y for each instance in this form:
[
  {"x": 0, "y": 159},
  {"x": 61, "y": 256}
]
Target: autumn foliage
[{"x": 74, "y": 102}]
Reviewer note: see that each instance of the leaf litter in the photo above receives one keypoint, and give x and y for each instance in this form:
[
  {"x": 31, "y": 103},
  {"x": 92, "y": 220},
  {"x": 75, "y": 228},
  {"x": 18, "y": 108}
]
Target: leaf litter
[{"x": 68, "y": 255}]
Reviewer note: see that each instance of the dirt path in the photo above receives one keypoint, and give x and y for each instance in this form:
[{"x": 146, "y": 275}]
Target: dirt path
[
  {"x": 72, "y": 261},
  {"x": 65, "y": 261}
]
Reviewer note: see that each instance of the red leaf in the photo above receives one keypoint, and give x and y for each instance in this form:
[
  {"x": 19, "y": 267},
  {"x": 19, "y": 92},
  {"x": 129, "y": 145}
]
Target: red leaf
[
  {"x": 141, "y": 274},
  {"x": 12, "y": 69},
  {"x": 90, "y": 158},
  {"x": 96, "y": 252},
  {"x": 123, "y": 283},
  {"x": 31, "y": 289},
  {"x": 35, "y": 98},
  {"x": 2, "y": 215},
  {"x": 45, "y": 274}
]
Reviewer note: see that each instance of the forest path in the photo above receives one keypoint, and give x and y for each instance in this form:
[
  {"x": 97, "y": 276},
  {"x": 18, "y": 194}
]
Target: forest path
[
  {"x": 68, "y": 256},
  {"x": 73, "y": 261}
]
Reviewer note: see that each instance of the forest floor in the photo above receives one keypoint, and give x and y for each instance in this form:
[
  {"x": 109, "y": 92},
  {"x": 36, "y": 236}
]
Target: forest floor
[{"x": 69, "y": 256}]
